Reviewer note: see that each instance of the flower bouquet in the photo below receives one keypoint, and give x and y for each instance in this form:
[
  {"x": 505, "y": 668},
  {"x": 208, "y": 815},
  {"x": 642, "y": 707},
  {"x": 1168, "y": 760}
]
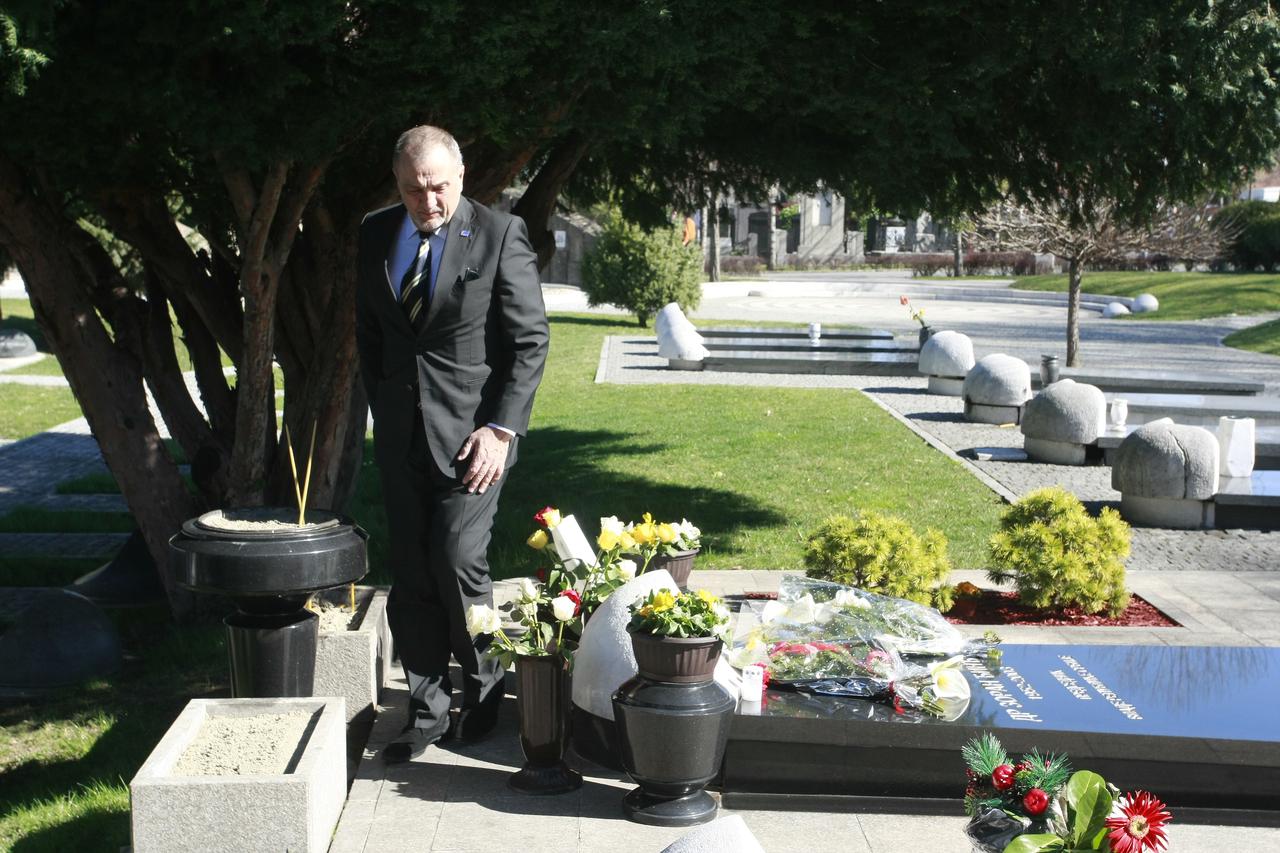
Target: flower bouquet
[
  {"x": 689, "y": 614},
  {"x": 1038, "y": 805},
  {"x": 821, "y": 637}
]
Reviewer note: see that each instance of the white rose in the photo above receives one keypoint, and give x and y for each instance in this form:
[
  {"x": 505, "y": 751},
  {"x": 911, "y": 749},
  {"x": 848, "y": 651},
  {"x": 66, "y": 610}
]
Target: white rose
[
  {"x": 528, "y": 589},
  {"x": 772, "y": 612},
  {"x": 482, "y": 620},
  {"x": 824, "y": 613},
  {"x": 627, "y": 568},
  {"x": 612, "y": 525},
  {"x": 563, "y": 607},
  {"x": 688, "y": 533},
  {"x": 849, "y": 598}
]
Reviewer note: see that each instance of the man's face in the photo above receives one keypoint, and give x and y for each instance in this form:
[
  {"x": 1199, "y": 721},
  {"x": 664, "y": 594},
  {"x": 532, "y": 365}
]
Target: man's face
[{"x": 430, "y": 185}]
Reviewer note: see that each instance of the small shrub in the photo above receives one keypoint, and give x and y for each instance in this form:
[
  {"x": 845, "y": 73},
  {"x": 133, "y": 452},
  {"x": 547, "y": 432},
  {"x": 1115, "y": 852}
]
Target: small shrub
[
  {"x": 1258, "y": 243},
  {"x": 882, "y": 554},
  {"x": 1057, "y": 555},
  {"x": 642, "y": 271}
]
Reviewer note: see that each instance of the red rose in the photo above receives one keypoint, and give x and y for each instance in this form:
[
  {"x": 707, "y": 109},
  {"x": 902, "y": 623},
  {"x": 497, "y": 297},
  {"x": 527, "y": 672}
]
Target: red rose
[
  {"x": 1002, "y": 777},
  {"x": 575, "y": 598},
  {"x": 541, "y": 574},
  {"x": 1036, "y": 801}
]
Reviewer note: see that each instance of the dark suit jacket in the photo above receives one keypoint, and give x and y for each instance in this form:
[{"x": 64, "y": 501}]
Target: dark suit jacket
[{"x": 480, "y": 355}]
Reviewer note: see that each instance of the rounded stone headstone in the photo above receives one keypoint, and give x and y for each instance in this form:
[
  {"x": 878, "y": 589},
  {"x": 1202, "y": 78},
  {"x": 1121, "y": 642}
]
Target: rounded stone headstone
[
  {"x": 1145, "y": 302},
  {"x": 16, "y": 344},
  {"x": 1066, "y": 411},
  {"x": 947, "y": 354},
  {"x": 998, "y": 380},
  {"x": 604, "y": 659},
  {"x": 1115, "y": 309},
  {"x": 728, "y": 834},
  {"x": 677, "y": 337},
  {"x": 57, "y": 639},
  {"x": 1167, "y": 460}
]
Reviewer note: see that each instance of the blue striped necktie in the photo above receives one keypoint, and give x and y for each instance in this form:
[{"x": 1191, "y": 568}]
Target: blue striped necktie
[{"x": 414, "y": 287}]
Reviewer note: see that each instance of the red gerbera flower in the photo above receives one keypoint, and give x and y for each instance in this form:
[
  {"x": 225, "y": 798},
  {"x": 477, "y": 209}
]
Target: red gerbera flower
[{"x": 1140, "y": 826}]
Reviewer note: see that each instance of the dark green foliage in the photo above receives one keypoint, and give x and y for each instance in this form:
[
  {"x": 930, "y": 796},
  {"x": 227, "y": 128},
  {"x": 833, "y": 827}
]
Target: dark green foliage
[
  {"x": 1258, "y": 244},
  {"x": 984, "y": 754},
  {"x": 881, "y": 554},
  {"x": 1059, "y": 556},
  {"x": 642, "y": 270}
]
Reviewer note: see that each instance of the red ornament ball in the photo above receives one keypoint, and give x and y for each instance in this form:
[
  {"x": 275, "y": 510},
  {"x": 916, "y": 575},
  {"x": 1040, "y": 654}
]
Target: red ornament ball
[
  {"x": 1002, "y": 777},
  {"x": 1035, "y": 801}
]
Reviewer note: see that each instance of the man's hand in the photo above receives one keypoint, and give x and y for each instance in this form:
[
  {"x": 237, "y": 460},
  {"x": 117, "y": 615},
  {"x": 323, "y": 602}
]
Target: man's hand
[{"x": 487, "y": 448}]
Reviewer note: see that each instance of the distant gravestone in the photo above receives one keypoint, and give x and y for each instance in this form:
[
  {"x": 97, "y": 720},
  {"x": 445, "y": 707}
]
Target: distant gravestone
[
  {"x": 1059, "y": 421},
  {"x": 678, "y": 339},
  {"x": 16, "y": 344},
  {"x": 1115, "y": 309},
  {"x": 56, "y": 639},
  {"x": 946, "y": 359},
  {"x": 1145, "y": 302},
  {"x": 1167, "y": 474},
  {"x": 996, "y": 388}
]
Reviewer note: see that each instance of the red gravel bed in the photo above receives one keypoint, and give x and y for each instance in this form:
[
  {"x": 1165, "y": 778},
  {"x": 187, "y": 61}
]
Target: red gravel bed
[{"x": 1003, "y": 608}]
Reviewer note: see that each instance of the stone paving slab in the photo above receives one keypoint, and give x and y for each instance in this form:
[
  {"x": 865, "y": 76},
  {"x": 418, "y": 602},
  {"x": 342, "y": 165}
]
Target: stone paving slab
[{"x": 61, "y": 544}]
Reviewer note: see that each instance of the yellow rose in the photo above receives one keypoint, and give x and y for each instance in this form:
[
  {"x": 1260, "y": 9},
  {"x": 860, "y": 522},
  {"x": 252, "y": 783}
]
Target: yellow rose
[
  {"x": 662, "y": 600},
  {"x": 551, "y": 518},
  {"x": 627, "y": 541},
  {"x": 538, "y": 540},
  {"x": 666, "y": 532},
  {"x": 607, "y": 540}
]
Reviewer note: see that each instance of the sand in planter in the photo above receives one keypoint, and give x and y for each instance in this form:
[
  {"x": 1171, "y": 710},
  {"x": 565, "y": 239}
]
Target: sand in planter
[
  {"x": 255, "y": 745},
  {"x": 336, "y": 617}
]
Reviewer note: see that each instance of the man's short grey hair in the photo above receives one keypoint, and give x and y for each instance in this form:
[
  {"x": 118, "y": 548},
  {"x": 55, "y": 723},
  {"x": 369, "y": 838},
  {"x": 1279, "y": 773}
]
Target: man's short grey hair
[{"x": 417, "y": 141}]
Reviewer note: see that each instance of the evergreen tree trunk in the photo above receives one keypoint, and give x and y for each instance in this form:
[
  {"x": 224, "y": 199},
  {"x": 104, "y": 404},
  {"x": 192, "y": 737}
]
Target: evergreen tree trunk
[
  {"x": 958, "y": 258},
  {"x": 1074, "y": 274},
  {"x": 712, "y": 229}
]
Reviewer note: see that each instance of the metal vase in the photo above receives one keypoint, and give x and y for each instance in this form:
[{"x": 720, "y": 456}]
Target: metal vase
[{"x": 542, "y": 699}]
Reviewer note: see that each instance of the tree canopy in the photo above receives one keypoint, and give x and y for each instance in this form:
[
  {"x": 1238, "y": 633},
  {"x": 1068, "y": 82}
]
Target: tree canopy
[{"x": 211, "y": 161}]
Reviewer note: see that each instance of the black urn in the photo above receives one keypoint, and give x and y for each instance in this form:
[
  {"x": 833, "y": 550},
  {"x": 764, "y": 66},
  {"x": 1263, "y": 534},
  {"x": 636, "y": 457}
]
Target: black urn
[
  {"x": 672, "y": 736},
  {"x": 269, "y": 566}
]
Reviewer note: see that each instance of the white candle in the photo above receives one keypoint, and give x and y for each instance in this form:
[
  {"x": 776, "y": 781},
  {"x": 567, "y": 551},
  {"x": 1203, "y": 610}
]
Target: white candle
[{"x": 752, "y": 683}]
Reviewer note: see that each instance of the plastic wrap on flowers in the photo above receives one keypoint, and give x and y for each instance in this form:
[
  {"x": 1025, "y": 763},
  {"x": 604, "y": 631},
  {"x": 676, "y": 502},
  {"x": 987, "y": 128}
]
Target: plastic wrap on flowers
[
  {"x": 827, "y": 638},
  {"x": 993, "y": 830}
]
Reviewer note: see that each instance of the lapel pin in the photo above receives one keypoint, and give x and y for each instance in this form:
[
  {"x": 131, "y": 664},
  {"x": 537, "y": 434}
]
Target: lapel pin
[{"x": 466, "y": 232}]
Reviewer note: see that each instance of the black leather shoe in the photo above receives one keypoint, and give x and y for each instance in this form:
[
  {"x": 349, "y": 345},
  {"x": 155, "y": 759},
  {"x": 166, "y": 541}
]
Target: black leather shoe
[
  {"x": 476, "y": 723},
  {"x": 411, "y": 744}
]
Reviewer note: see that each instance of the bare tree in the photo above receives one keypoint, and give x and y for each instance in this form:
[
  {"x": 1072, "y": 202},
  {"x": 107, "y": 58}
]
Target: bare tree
[{"x": 1186, "y": 232}]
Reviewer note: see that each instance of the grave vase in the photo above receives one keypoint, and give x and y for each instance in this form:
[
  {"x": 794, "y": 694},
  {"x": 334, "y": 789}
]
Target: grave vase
[
  {"x": 673, "y": 723},
  {"x": 542, "y": 700},
  {"x": 926, "y": 332}
]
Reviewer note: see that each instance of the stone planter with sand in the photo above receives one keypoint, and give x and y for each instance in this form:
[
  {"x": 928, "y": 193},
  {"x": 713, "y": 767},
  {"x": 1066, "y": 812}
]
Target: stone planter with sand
[
  {"x": 353, "y": 656},
  {"x": 244, "y": 775}
]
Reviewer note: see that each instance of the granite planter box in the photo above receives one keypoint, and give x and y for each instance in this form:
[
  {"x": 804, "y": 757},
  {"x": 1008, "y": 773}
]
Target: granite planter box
[
  {"x": 295, "y": 810},
  {"x": 355, "y": 663}
]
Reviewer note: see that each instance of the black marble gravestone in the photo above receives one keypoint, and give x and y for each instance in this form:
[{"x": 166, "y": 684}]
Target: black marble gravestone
[{"x": 1198, "y": 726}]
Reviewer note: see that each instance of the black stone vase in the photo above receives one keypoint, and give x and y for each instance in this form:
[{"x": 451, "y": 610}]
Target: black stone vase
[
  {"x": 542, "y": 698},
  {"x": 269, "y": 570},
  {"x": 673, "y": 723},
  {"x": 926, "y": 332}
]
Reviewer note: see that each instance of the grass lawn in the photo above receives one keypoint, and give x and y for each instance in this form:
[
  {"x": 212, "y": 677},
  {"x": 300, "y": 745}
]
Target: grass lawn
[
  {"x": 28, "y": 519},
  {"x": 45, "y": 571},
  {"x": 66, "y": 758},
  {"x": 755, "y": 468},
  {"x": 1182, "y": 295},
  {"x": 1264, "y": 337},
  {"x": 29, "y": 409}
]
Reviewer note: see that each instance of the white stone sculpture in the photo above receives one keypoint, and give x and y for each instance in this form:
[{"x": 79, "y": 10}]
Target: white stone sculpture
[
  {"x": 678, "y": 339},
  {"x": 1145, "y": 302},
  {"x": 946, "y": 359},
  {"x": 1059, "y": 421},
  {"x": 1115, "y": 309},
  {"x": 1167, "y": 475},
  {"x": 995, "y": 389}
]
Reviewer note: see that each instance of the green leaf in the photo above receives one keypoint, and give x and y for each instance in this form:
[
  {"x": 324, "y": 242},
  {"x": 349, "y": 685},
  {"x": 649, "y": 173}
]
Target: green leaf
[
  {"x": 1042, "y": 843},
  {"x": 1090, "y": 804}
]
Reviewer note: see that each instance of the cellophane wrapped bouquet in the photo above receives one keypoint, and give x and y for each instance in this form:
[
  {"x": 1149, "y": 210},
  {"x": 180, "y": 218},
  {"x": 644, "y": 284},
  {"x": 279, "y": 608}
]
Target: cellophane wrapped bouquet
[{"x": 827, "y": 638}]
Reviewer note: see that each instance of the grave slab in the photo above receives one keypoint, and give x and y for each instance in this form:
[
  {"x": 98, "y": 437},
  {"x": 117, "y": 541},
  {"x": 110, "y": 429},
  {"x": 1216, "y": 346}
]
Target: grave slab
[
  {"x": 846, "y": 333},
  {"x": 823, "y": 363},
  {"x": 1194, "y": 724},
  {"x": 1201, "y": 409},
  {"x": 797, "y": 344},
  {"x": 1248, "y": 502},
  {"x": 1156, "y": 381}
]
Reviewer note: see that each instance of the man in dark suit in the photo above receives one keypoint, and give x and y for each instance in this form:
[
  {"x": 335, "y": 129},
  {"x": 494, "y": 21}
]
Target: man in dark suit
[{"x": 452, "y": 336}]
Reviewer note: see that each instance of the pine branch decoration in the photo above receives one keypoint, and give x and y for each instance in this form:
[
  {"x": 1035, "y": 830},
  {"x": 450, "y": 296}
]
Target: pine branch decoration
[{"x": 984, "y": 754}]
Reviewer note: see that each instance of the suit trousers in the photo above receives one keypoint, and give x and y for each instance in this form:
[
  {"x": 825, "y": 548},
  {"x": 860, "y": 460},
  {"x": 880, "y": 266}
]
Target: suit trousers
[{"x": 439, "y": 541}]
